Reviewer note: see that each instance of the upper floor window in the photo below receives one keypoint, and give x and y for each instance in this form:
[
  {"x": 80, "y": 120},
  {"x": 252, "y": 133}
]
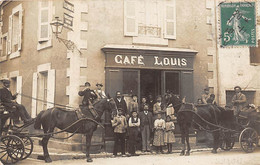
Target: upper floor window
[
  {"x": 3, "y": 46},
  {"x": 15, "y": 32},
  {"x": 45, "y": 16},
  {"x": 150, "y": 18}
]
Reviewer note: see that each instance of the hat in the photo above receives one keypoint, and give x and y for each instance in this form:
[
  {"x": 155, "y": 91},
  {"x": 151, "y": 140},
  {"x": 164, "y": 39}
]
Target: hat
[
  {"x": 5, "y": 80},
  {"x": 206, "y": 89},
  {"x": 237, "y": 87},
  {"x": 87, "y": 83},
  {"x": 133, "y": 112},
  {"x": 99, "y": 84}
]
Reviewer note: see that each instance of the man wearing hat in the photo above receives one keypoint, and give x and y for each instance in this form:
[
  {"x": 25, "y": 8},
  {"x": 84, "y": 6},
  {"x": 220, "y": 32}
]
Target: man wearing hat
[
  {"x": 99, "y": 92},
  {"x": 205, "y": 96},
  {"x": 238, "y": 100},
  {"x": 8, "y": 100},
  {"x": 88, "y": 97}
]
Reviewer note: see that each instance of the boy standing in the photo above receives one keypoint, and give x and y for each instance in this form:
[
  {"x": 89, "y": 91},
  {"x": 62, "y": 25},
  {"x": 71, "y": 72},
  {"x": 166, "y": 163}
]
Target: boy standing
[
  {"x": 134, "y": 123},
  {"x": 119, "y": 123}
]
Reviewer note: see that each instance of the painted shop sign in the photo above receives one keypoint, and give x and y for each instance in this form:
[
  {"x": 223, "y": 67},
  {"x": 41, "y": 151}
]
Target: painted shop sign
[
  {"x": 238, "y": 24},
  {"x": 149, "y": 61}
]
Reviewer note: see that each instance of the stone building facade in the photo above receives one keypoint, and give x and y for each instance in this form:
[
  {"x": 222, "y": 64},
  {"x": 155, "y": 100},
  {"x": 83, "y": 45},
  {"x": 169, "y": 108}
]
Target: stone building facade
[{"x": 135, "y": 46}]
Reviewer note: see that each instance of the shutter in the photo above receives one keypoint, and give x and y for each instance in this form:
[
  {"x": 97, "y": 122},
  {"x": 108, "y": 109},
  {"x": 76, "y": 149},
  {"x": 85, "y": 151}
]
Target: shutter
[
  {"x": 187, "y": 86},
  {"x": 19, "y": 89},
  {"x": 20, "y": 30},
  {"x": 9, "y": 44},
  {"x": 50, "y": 88},
  {"x": 170, "y": 20},
  {"x": 43, "y": 31},
  {"x": 34, "y": 94},
  {"x": 114, "y": 81},
  {"x": 130, "y": 21}
]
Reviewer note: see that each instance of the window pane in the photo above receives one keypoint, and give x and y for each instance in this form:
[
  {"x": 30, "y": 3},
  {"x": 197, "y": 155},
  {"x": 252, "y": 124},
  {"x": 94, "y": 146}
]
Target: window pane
[
  {"x": 83, "y": 35},
  {"x": 169, "y": 27},
  {"x": 130, "y": 25},
  {"x": 44, "y": 31},
  {"x": 44, "y": 16},
  {"x": 45, "y": 3},
  {"x": 130, "y": 9},
  {"x": 172, "y": 82},
  {"x": 169, "y": 12},
  {"x": 130, "y": 82},
  {"x": 84, "y": 17}
]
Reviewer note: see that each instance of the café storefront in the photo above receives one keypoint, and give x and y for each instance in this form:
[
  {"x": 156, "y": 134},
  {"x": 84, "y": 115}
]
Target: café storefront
[{"x": 148, "y": 70}]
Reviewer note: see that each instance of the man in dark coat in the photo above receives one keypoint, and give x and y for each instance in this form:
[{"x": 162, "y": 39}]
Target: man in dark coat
[
  {"x": 146, "y": 126},
  {"x": 88, "y": 98},
  {"x": 8, "y": 100},
  {"x": 120, "y": 103}
]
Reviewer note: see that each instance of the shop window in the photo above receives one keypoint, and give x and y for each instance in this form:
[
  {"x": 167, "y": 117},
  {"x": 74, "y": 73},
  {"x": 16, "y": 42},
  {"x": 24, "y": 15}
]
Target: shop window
[
  {"x": 255, "y": 54},
  {"x": 250, "y": 96},
  {"x": 130, "y": 82},
  {"x": 150, "y": 18}
]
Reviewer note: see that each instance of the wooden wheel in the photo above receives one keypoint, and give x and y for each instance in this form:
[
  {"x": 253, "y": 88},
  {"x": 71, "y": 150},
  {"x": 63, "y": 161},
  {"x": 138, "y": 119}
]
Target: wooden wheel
[
  {"x": 11, "y": 149},
  {"x": 28, "y": 146},
  {"x": 248, "y": 140},
  {"x": 227, "y": 140}
]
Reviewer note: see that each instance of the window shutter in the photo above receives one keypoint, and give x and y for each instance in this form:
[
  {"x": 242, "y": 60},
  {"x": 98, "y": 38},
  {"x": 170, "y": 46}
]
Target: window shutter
[
  {"x": 34, "y": 94},
  {"x": 130, "y": 21},
  {"x": 50, "y": 88},
  {"x": 170, "y": 20},
  {"x": 9, "y": 47},
  {"x": 44, "y": 21},
  {"x": 19, "y": 88},
  {"x": 20, "y": 30}
]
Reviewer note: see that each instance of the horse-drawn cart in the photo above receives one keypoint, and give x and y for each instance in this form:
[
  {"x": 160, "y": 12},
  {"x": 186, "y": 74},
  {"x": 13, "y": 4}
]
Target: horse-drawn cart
[{"x": 16, "y": 143}]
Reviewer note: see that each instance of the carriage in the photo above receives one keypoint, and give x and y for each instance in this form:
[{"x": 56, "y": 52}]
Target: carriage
[
  {"x": 245, "y": 129},
  {"x": 15, "y": 143}
]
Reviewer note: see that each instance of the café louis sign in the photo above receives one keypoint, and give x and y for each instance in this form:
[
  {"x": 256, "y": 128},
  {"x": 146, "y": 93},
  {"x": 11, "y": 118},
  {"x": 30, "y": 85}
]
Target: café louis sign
[{"x": 150, "y": 61}]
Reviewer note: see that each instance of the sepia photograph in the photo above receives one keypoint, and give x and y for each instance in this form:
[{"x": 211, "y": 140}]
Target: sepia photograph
[{"x": 130, "y": 82}]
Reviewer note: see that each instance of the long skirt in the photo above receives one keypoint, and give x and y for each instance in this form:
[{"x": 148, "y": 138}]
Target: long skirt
[
  {"x": 169, "y": 137},
  {"x": 158, "y": 139}
]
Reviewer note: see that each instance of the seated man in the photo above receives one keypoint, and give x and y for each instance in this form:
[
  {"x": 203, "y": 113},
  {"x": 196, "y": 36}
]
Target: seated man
[
  {"x": 88, "y": 97},
  {"x": 8, "y": 101}
]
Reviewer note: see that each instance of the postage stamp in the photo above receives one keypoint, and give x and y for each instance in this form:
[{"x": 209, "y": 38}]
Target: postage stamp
[{"x": 238, "y": 24}]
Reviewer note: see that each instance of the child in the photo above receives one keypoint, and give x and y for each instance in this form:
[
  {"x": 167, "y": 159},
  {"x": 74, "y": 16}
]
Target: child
[
  {"x": 169, "y": 137},
  {"x": 133, "y": 106},
  {"x": 158, "y": 141},
  {"x": 119, "y": 123},
  {"x": 134, "y": 123}
]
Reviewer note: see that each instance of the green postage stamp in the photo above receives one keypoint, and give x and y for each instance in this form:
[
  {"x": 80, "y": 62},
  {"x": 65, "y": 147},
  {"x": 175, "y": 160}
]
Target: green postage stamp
[{"x": 238, "y": 24}]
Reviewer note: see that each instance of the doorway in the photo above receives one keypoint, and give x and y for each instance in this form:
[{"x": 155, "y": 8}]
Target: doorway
[{"x": 150, "y": 82}]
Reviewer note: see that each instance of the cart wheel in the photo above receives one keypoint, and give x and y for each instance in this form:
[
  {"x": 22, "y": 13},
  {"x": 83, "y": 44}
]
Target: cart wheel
[
  {"x": 11, "y": 149},
  {"x": 248, "y": 140},
  {"x": 227, "y": 145},
  {"x": 28, "y": 146}
]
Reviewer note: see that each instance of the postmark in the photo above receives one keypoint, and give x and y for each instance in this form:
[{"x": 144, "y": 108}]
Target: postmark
[{"x": 237, "y": 24}]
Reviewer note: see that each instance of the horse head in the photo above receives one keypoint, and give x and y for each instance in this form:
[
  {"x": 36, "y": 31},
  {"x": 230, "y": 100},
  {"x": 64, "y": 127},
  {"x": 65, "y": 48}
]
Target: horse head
[{"x": 175, "y": 100}]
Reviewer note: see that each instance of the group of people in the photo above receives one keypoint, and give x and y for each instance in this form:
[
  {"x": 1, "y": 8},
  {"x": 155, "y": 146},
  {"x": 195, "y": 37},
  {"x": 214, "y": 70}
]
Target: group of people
[
  {"x": 238, "y": 102},
  {"x": 149, "y": 117}
]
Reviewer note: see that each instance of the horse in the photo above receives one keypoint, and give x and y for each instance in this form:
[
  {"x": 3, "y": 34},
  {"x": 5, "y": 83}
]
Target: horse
[
  {"x": 62, "y": 118},
  {"x": 197, "y": 116}
]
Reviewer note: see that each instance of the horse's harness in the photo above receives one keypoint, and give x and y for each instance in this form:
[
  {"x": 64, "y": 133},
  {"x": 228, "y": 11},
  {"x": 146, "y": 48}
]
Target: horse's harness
[{"x": 194, "y": 110}]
